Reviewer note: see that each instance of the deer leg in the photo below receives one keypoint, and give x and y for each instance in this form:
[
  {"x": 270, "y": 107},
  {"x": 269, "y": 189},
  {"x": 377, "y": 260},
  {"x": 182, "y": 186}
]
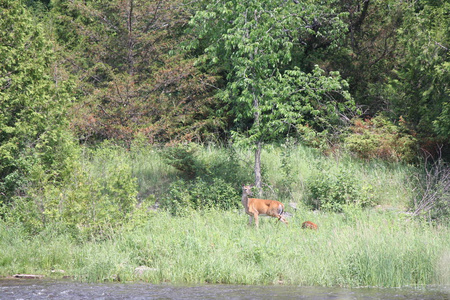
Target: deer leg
[
  {"x": 280, "y": 218},
  {"x": 256, "y": 220}
]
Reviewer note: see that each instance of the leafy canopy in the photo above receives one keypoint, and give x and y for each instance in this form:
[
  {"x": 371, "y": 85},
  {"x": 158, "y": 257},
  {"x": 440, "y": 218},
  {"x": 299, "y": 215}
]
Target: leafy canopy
[{"x": 259, "y": 46}]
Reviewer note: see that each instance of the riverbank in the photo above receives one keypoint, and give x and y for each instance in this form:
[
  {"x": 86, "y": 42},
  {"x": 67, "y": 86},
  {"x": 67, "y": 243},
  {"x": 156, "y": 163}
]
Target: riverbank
[{"x": 350, "y": 249}]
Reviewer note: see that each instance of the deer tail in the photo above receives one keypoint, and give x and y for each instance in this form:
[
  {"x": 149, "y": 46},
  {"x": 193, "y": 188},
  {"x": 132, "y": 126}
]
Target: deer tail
[{"x": 280, "y": 209}]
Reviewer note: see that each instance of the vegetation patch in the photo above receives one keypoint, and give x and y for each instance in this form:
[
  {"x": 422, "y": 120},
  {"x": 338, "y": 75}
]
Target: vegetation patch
[
  {"x": 359, "y": 248},
  {"x": 380, "y": 138}
]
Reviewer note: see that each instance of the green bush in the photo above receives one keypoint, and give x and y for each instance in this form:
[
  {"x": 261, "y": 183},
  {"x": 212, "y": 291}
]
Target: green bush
[
  {"x": 184, "y": 158},
  {"x": 200, "y": 194},
  {"x": 33, "y": 119},
  {"x": 380, "y": 138},
  {"x": 333, "y": 192},
  {"x": 195, "y": 161},
  {"x": 88, "y": 204}
]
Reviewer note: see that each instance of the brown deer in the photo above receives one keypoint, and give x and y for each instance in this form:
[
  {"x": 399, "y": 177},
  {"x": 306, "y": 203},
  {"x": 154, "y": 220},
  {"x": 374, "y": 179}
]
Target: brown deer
[
  {"x": 309, "y": 225},
  {"x": 255, "y": 207}
]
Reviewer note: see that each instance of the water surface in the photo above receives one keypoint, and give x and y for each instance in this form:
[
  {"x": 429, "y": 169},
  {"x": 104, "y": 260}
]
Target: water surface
[{"x": 52, "y": 289}]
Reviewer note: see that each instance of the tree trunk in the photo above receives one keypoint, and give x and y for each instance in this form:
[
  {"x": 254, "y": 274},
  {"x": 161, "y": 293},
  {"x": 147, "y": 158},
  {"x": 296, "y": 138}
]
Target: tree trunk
[
  {"x": 258, "y": 182},
  {"x": 131, "y": 40},
  {"x": 256, "y": 124}
]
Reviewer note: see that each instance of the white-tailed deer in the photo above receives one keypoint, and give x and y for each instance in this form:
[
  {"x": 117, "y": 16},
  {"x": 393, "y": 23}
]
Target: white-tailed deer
[
  {"x": 255, "y": 207},
  {"x": 309, "y": 225}
]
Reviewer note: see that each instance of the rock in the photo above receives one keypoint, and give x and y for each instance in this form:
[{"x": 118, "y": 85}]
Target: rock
[
  {"x": 141, "y": 270},
  {"x": 28, "y": 276}
]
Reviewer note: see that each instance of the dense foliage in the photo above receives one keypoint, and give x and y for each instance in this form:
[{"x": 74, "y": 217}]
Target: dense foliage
[
  {"x": 35, "y": 143},
  {"x": 200, "y": 70},
  {"x": 133, "y": 77}
]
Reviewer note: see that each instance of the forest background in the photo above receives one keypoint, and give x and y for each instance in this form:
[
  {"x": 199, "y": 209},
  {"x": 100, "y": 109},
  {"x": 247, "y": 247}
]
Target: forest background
[{"x": 214, "y": 93}]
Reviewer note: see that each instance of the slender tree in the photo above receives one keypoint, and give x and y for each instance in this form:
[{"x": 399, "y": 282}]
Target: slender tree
[{"x": 260, "y": 45}]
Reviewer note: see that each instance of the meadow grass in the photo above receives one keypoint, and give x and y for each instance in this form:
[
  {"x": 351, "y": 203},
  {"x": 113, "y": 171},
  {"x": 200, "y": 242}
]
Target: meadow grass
[
  {"x": 370, "y": 247},
  {"x": 151, "y": 172},
  {"x": 286, "y": 170},
  {"x": 390, "y": 181},
  {"x": 362, "y": 248}
]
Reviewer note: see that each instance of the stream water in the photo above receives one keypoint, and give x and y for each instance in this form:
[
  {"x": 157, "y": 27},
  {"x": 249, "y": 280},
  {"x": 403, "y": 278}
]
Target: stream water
[{"x": 49, "y": 289}]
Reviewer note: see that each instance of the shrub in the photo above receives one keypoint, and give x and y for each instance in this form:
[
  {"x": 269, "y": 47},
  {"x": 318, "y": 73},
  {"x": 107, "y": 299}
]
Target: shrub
[
  {"x": 199, "y": 194},
  {"x": 380, "y": 138},
  {"x": 184, "y": 158},
  {"x": 33, "y": 119},
  {"x": 195, "y": 161},
  {"x": 333, "y": 192},
  {"x": 89, "y": 205}
]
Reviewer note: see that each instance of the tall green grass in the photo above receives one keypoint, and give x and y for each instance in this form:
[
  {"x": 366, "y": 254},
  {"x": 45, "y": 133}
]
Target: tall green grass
[
  {"x": 286, "y": 170},
  {"x": 289, "y": 168},
  {"x": 147, "y": 166},
  {"x": 362, "y": 248},
  {"x": 372, "y": 247}
]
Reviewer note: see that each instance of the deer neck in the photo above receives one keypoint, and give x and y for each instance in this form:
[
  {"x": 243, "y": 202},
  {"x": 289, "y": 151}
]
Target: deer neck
[{"x": 245, "y": 201}]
